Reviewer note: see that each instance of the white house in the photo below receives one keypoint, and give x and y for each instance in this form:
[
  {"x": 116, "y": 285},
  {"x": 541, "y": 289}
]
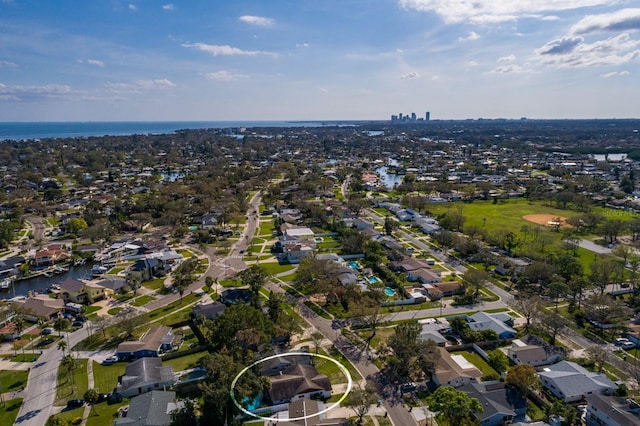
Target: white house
[
  {"x": 571, "y": 382},
  {"x": 605, "y": 410}
]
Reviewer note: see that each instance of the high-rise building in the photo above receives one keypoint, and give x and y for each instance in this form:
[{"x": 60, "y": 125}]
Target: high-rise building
[
  {"x": 427, "y": 116},
  {"x": 413, "y": 116}
]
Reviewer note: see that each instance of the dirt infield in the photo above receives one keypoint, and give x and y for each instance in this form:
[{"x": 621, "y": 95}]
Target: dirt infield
[{"x": 546, "y": 219}]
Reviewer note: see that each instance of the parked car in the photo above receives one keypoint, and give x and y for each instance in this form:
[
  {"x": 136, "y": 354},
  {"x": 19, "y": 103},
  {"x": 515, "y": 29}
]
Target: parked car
[
  {"x": 46, "y": 331},
  {"x": 75, "y": 403},
  {"x": 111, "y": 360},
  {"x": 628, "y": 345},
  {"x": 77, "y": 323},
  {"x": 621, "y": 341},
  {"x": 103, "y": 397}
]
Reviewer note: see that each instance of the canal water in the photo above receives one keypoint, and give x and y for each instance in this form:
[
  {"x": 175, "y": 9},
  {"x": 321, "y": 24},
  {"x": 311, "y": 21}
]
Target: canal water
[{"x": 41, "y": 283}]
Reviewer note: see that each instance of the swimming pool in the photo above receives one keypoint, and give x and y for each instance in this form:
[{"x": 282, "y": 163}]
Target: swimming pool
[
  {"x": 353, "y": 265},
  {"x": 252, "y": 404},
  {"x": 319, "y": 239},
  {"x": 373, "y": 280},
  {"x": 389, "y": 291}
]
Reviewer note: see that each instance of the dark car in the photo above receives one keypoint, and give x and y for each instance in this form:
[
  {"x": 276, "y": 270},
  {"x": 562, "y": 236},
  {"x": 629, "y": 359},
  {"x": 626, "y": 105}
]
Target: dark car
[
  {"x": 78, "y": 324},
  {"x": 114, "y": 398},
  {"x": 103, "y": 397},
  {"x": 75, "y": 403}
]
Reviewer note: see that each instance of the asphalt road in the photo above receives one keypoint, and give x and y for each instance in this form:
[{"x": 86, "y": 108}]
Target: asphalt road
[{"x": 42, "y": 384}]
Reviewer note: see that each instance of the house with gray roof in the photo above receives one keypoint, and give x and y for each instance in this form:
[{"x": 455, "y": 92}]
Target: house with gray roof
[
  {"x": 571, "y": 382},
  {"x": 158, "y": 339},
  {"x": 145, "y": 375},
  {"x": 298, "y": 381},
  {"x": 501, "y": 403},
  {"x": 603, "y": 410},
  {"x": 150, "y": 409},
  {"x": 499, "y": 322}
]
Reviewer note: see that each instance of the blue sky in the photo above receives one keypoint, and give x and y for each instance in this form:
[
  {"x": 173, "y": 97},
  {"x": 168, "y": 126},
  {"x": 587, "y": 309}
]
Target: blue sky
[{"x": 106, "y": 60}]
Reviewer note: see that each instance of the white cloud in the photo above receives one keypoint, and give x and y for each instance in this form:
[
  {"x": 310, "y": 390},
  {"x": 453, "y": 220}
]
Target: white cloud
[
  {"x": 409, "y": 75},
  {"x": 493, "y": 11},
  {"x": 223, "y": 50},
  {"x": 615, "y": 74},
  {"x": 509, "y": 58},
  {"x": 168, "y": 6},
  {"x": 302, "y": 44},
  {"x": 470, "y": 37},
  {"x": 7, "y": 64},
  {"x": 574, "y": 52},
  {"x": 435, "y": 77},
  {"x": 223, "y": 76},
  {"x": 141, "y": 85},
  {"x": 323, "y": 90},
  {"x": 17, "y": 93},
  {"x": 132, "y": 6},
  {"x": 471, "y": 64},
  {"x": 95, "y": 62},
  {"x": 260, "y": 21},
  {"x": 507, "y": 69},
  {"x": 621, "y": 20}
]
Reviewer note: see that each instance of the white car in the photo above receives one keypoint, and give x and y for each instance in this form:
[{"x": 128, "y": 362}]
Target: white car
[{"x": 628, "y": 345}]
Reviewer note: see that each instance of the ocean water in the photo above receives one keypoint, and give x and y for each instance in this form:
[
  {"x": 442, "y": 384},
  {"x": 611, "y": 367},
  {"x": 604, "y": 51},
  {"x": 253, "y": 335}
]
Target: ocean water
[{"x": 42, "y": 130}]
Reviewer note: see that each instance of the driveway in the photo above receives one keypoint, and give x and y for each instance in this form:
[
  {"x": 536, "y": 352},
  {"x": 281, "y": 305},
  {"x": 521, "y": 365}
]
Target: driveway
[{"x": 591, "y": 246}]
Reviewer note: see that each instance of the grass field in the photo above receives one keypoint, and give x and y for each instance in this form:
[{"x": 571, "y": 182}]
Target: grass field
[
  {"x": 13, "y": 380},
  {"x": 142, "y": 300},
  {"x": 273, "y": 268},
  {"x": 329, "y": 369},
  {"x": 9, "y": 411},
  {"x": 185, "y": 362},
  {"x": 154, "y": 284},
  {"x": 105, "y": 377},
  {"x": 80, "y": 383}
]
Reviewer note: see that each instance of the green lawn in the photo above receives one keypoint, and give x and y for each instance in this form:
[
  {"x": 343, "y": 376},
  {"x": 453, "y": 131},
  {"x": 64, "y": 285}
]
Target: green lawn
[
  {"x": 26, "y": 357},
  {"x": 154, "y": 284},
  {"x": 106, "y": 414},
  {"x": 142, "y": 300},
  {"x": 91, "y": 309},
  {"x": 114, "y": 311},
  {"x": 80, "y": 383},
  {"x": 477, "y": 360},
  {"x": 329, "y": 369},
  {"x": 71, "y": 416},
  {"x": 105, "y": 377},
  {"x": 273, "y": 268},
  {"x": 13, "y": 380},
  {"x": 9, "y": 411},
  {"x": 185, "y": 253},
  {"x": 185, "y": 362}
]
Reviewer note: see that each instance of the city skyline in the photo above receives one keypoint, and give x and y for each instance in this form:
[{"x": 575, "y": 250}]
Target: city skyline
[{"x": 308, "y": 60}]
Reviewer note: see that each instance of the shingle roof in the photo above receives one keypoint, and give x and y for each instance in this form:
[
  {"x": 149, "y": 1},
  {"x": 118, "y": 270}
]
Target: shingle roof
[
  {"x": 615, "y": 408},
  {"x": 145, "y": 370},
  {"x": 296, "y": 380},
  {"x": 495, "y": 398},
  {"x": 150, "y": 409}
]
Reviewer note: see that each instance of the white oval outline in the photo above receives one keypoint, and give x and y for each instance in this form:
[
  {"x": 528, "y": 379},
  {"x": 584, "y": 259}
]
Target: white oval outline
[{"x": 260, "y": 361}]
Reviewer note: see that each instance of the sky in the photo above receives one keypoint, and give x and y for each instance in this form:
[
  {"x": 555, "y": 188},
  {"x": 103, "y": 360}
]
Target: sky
[{"x": 138, "y": 60}]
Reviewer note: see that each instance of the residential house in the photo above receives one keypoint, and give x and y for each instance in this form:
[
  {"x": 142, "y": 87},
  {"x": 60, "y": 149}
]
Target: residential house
[
  {"x": 158, "y": 339},
  {"x": 454, "y": 370},
  {"x": 236, "y": 295},
  {"x": 502, "y": 403},
  {"x": 83, "y": 292},
  {"x": 9, "y": 267},
  {"x": 432, "y": 329},
  {"x": 280, "y": 363},
  {"x": 51, "y": 255},
  {"x": 208, "y": 310},
  {"x": 297, "y": 382},
  {"x": 499, "y": 322},
  {"x": 114, "y": 285},
  {"x": 425, "y": 276},
  {"x": 145, "y": 375},
  {"x": 150, "y": 409},
  {"x": 438, "y": 290},
  {"x": 149, "y": 268},
  {"x": 361, "y": 224},
  {"x": 427, "y": 225},
  {"x": 605, "y": 410},
  {"x": 537, "y": 354},
  {"x": 209, "y": 221},
  {"x": 42, "y": 307},
  {"x": 295, "y": 253},
  {"x": 571, "y": 382},
  {"x": 304, "y": 412}
]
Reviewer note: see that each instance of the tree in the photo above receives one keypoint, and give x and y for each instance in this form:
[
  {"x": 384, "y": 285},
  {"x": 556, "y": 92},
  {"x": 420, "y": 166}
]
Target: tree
[
  {"x": 390, "y": 225},
  {"x": 185, "y": 415},
  {"x": 498, "y": 361},
  {"x": 599, "y": 354},
  {"x": 62, "y": 345},
  {"x": 61, "y": 324},
  {"x": 551, "y": 322},
  {"x": 360, "y": 400},
  {"x": 133, "y": 281},
  {"x": 317, "y": 338},
  {"x": 523, "y": 377},
  {"x": 128, "y": 322},
  {"x": 457, "y": 407},
  {"x": 255, "y": 277},
  {"x": 413, "y": 358},
  {"x": 529, "y": 307},
  {"x": 476, "y": 279},
  {"x": 91, "y": 397},
  {"x": 69, "y": 364},
  {"x": 101, "y": 323}
]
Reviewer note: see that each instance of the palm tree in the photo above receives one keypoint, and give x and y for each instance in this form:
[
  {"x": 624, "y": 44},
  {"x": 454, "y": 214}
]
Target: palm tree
[
  {"x": 69, "y": 364},
  {"x": 91, "y": 397},
  {"x": 62, "y": 345},
  {"x": 61, "y": 324}
]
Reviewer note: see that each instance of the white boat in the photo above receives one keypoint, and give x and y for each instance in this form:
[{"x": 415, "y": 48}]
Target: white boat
[
  {"x": 98, "y": 270},
  {"x": 4, "y": 284}
]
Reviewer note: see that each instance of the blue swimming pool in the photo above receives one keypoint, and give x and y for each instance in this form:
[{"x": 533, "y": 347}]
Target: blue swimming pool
[
  {"x": 252, "y": 404},
  {"x": 389, "y": 291},
  {"x": 353, "y": 265},
  {"x": 373, "y": 280}
]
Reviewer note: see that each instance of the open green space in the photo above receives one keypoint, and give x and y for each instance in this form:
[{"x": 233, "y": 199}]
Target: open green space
[
  {"x": 9, "y": 411},
  {"x": 185, "y": 362},
  {"x": 72, "y": 386},
  {"x": 26, "y": 357},
  {"x": 91, "y": 309},
  {"x": 13, "y": 380},
  {"x": 185, "y": 253},
  {"x": 156, "y": 284},
  {"x": 329, "y": 369},
  {"x": 72, "y": 417},
  {"x": 273, "y": 268},
  {"x": 104, "y": 414},
  {"x": 105, "y": 377},
  {"x": 114, "y": 311},
  {"x": 142, "y": 300}
]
